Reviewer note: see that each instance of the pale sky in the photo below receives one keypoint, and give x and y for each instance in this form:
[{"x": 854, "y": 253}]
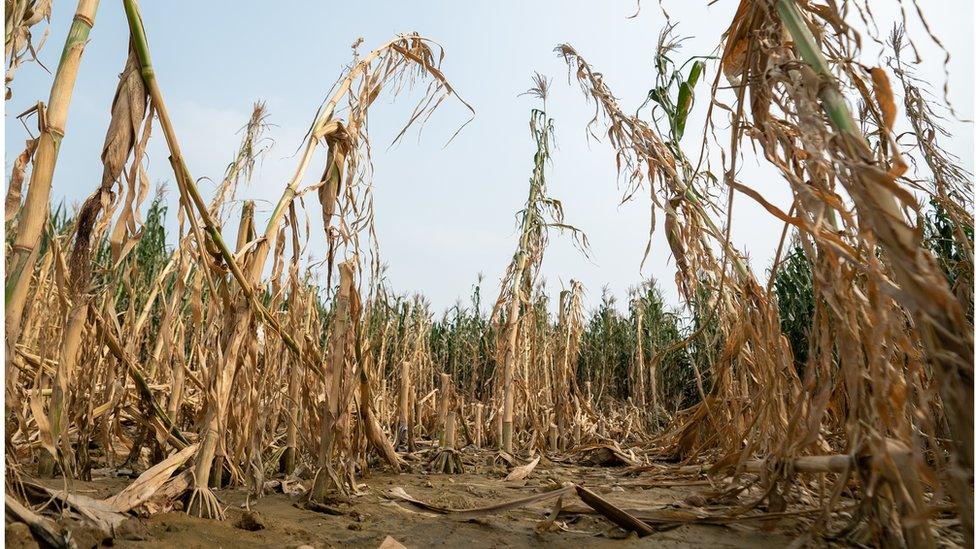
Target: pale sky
[{"x": 442, "y": 214}]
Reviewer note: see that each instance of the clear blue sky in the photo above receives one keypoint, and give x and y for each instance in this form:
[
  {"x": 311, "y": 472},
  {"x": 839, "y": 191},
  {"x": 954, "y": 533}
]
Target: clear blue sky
[{"x": 443, "y": 214}]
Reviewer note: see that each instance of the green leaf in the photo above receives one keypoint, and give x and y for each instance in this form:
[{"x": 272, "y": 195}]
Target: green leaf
[
  {"x": 696, "y": 71},
  {"x": 663, "y": 100},
  {"x": 686, "y": 96}
]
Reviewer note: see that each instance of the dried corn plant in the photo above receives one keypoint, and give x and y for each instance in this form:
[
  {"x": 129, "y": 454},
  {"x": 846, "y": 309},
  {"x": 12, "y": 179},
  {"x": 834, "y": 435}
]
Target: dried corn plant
[
  {"x": 869, "y": 377},
  {"x": 122, "y": 140},
  {"x": 344, "y": 191},
  {"x": 949, "y": 187},
  {"x": 541, "y": 213},
  {"x": 32, "y": 218},
  {"x": 567, "y": 408},
  {"x": 662, "y": 378},
  {"x": 20, "y": 16},
  {"x": 184, "y": 319},
  {"x": 212, "y": 363},
  {"x": 750, "y": 389}
]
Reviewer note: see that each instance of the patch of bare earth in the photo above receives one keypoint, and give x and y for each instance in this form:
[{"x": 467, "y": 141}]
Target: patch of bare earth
[{"x": 365, "y": 520}]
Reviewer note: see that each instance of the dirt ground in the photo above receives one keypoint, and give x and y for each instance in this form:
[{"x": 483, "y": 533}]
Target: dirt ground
[{"x": 365, "y": 520}]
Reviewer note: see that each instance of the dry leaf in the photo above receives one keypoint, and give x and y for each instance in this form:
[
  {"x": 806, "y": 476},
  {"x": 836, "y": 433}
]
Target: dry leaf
[
  {"x": 42, "y": 527},
  {"x": 389, "y": 542},
  {"x": 144, "y": 487},
  {"x": 884, "y": 96},
  {"x": 12, "y": 204},
  {"x": 523, "y": 471},
  {"x": 96, "y": 512},
  {"x": 401, "y": 494}
]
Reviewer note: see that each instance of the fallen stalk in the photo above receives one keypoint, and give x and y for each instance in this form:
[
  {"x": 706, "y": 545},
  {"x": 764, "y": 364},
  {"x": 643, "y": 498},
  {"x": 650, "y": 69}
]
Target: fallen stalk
[
  {"x": 120, "y": 354},
  {"x": 188, "y": 184}
]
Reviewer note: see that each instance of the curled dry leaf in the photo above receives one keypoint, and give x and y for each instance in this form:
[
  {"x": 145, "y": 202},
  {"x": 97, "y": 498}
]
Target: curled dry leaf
[
  {"x": 885, "y": 97},
  {"x": 14, "y": 190},
  {"x": 523, "y": 471},
  {"x": 144, "y": 487}
]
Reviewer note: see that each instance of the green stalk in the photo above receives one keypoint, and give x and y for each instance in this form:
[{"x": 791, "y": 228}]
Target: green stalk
[
  {"x": 116, "y": 348},
  {"x": 833, "y": 102},
  {"x": 203, "y": 502},
  {"x": 187, "y": 183}
]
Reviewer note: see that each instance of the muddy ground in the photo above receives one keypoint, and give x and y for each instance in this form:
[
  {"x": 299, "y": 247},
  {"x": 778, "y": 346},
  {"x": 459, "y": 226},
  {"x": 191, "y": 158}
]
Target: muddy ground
[{"x": 365, "y": 520}]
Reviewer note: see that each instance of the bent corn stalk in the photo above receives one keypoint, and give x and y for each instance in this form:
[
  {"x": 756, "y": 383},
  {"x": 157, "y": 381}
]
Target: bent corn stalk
[{"x": 924, "y": 292}]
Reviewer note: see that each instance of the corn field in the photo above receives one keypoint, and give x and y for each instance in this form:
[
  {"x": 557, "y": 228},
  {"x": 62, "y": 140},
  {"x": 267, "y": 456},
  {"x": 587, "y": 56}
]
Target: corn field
[{"x": 829, "y": 396}]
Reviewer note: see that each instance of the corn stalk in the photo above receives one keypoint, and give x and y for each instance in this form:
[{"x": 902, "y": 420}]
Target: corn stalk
[{"x": 34, "y": 214}]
